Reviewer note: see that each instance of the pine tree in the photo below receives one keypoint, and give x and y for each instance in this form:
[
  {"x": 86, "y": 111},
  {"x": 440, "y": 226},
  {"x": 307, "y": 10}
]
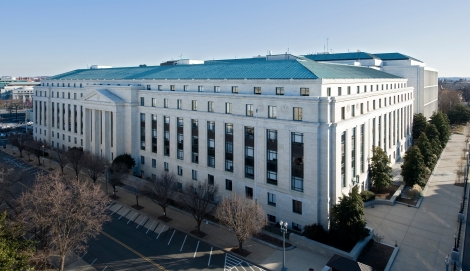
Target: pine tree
[
  {"x": 419, "y": 124},
  {"x": 442, "y": 124},
  {"x": 426, "y": 149},
  {"x": 413, "y": 169},
  {"x": 348, "y": 223},
  {"x": 380, "y": 169},
  {"x": 433, "y": 136}
]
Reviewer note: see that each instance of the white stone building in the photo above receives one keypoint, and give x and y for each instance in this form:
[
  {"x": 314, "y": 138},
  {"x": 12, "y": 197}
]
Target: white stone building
[{"x": 293, "y": 134}]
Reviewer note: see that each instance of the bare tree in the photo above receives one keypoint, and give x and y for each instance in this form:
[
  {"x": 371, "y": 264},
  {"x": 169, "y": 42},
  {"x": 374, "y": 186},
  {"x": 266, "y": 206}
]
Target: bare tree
[
  {"x": 72, "y": 216},
  {"x": 8, "y": 179},
  {"x": 75, "y": 160},
  {"x": 116, "y": 175},
  {"x": 94, "y": 165},
  {"x": 19, "y": 140},
  {"x": 36, "y": 148},
  {"x": 136, "y": 187},
  {"x": 243, "y": 216},
  {"x": 198, "y": 200},
  {"x": 447, "y": 99},
  {"x": 162, "y": 190},
  {"x": 58, "y": 155}
]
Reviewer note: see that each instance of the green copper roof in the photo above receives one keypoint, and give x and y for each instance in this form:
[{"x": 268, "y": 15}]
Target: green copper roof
[
  {"x": 300, "y": 68},
  {"x": 395, "y": 56},
  {"x": 340, "y": 56}
]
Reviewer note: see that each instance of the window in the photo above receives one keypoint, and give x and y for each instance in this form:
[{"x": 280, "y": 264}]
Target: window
[
  {"x": 210, "y": 179},
  {"x": 349, "y": 90},
  {"x": 343, "y": 113},
  {"x": 148, "y": 87},
  {"x": 179, "y": 104},
  {"x": 142, "y": 160},
  {"x": 200, "y": 88},
  {"x": 271, "y": 218},
  {"x": 279, "y": 91},
  {"x": 75, "y": 96},
  {"x": 298, "y": 113},
  {"x": 235, "y": 89},
  {"x": 165, "y": 103},
  {"x": 328, "y": 91},
  {"x": 172, "y": 87},
  {"x": 304, "y": 91},
  {"x": 194, "y": 105},
  {"x": 216, "y": 89},
  {"x": 159, "y": 87},
  {"x": 180, "y": 122},
  {"x": 362, "y": 108},
  {"x": 154, "y": 102},
  {"x": 296, "y": 227},
  {"x": 229, "y": 165},
  {"x": 271, "y": 199},
  {"x": 228, "y": 108},
  {"x": 296, "y": 206},
  {"x": 180, "y": 171},
  {"x": 249, "y": 110},
  {"x": 185, "y": 88},
  {"x": 271, "y": 112},
  {"x": 257, "y": 90},
  {"x": 142, "y": 101},
  {"x": 358, "y": 89},
  {"x": 365, "y": 88},
  {"x": 229, "y": 129},
  {"x": 154, "y": 163},
  {"x": 339, "y": 91},
  {"x": 165, "y": 166},
  {"x": 353, "y": 110},
  {"x": 249, "y": 192},
  {"x": 210, "y": 106},
  {"x": 228, "y": 184},
  {"x": 194, "y": 174}
]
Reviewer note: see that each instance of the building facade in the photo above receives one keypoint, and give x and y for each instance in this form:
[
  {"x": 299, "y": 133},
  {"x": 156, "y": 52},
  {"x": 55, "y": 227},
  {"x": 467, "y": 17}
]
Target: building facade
[{"x": 292, "y": 134}]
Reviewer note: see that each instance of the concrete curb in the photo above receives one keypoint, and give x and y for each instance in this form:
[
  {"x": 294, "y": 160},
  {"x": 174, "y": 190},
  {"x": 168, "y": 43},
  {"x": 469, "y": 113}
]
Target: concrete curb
[{"x": 392, "y": 257}]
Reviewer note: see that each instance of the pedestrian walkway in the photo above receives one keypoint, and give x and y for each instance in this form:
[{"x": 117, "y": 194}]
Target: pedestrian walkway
[
  {"x": 425, "y": 235},
  {"x": 219, "y": 236}
]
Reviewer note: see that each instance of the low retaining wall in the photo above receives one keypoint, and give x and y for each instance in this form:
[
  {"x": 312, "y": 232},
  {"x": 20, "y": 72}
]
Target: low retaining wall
[
  {"x": 390, "y": 201},
  {"x": 327, "y": 251}
]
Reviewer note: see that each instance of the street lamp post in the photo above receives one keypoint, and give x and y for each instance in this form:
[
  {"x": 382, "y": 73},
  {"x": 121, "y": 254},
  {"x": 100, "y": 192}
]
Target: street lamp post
[
  {"x": 106, "y": 177},
  {"x": 43, "y": 155},
  {"x": 283, "y": 230}
]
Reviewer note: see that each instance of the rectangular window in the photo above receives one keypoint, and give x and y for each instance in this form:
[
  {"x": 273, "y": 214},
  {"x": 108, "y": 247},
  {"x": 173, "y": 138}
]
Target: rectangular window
[
  {"x": 296, "y": 206},
  {"x": 154, "y": 102},
  {"x": 142, "y": 101},
  {"x": 148, "y": 87},
  {"x": 165, "y": 103},
  {"x": 185, "y": 88},
  {"x": 358, "y": 89},
  {"x": 180, "y": 171},
  {"x": 271, "y": 218},
  {"x": 194, "y": 105},
  {"x": 210, "y": 106},
  {"x": 229, "y": 128},
  {"x": 279, "y": 91},
  {"x": 249, "y": 110},
  {"x": 172, "y": 87},
  {"x": 228, "y": 108},
  {"x": 343, "y": 113},
  {"x": 298, "y": 113},
  {"x": 179, "y": 103},
  {"x": 142, "y": 131},
  {"x": 271, "y": 199},
  {"x": 210, "y": 179},
  {"x": 362, "y": 108},
  {"x": 328, "y": 91},
  {"x": 142, "y": 160},
  {"x": 343, "y": 159},
  {"x": 296, "y": 227},
  {"x": 353, "y": 110},
  {"x": 339, "y": 91},
  {"x": 160, "y": 87},
  {"x": 349, "y": 90},
  {"x": 154, "y": 163},
  {"x": 257, "y": 90},
  {"x": 200, "y": 88},
  {"x": 234, "y": 89},
  {"x": 228, "y": 184},
  {"x": 297, "y": 165},
  {"x": 304, "y": 91},
  {"x": 271, "y": 112},
  {"x": 165, "y": 166},
  {"x": 249, "y": 154},
  {"x": 216, "y": 89},
  {"x": 249, "y": 192}
]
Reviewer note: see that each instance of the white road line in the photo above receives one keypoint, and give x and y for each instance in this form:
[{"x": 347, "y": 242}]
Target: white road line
[
  {"x": 210, "y": 256},
  {"x": 171, "y": 237},
  {"x": 141, "y": 222},
  {"x": 160, "y": 232},
  {"x": 196, "y": 249},
  {"x": 125, "y": 213},
  {"x": 94, "y": 261},
  {"x": 84, "y": 255},
  {"x": 104, "y": 268},
  {"x": 109, "y": 206},
  {"x": 150, "y": 227},
  {"x": 183, "y": 243},
  {"x": 132, "y": 217},
  {"x": 117, "y": 209}
]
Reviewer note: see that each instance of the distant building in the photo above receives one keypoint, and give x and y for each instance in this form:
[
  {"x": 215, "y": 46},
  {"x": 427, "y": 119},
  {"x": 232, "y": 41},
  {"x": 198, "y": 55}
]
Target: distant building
[{"x": 292, "y": 133}]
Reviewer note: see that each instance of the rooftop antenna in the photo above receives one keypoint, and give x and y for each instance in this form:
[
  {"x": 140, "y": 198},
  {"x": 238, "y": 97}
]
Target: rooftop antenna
[
  {"x": 181, "y": 56},
  {"x": 327, "y": 44}
]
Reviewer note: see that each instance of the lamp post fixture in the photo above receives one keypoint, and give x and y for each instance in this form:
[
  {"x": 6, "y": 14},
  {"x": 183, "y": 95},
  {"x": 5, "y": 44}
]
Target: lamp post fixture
[
  {"x": 106, "y": 177},
  {"x": 43, "y": 155},
  {"x": 283, "y": 230}
]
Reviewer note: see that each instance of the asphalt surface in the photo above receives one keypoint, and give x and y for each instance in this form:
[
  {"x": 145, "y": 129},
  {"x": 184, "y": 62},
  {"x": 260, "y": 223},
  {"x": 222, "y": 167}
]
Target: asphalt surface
[
  {"x": 466, "y": 242},
  {"x": 132, "y": 241}
]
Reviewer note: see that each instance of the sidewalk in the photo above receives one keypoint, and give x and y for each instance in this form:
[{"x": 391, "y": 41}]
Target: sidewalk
[
  {"x": 261, "y": 254},
  {"x": 425, "y": 235}
]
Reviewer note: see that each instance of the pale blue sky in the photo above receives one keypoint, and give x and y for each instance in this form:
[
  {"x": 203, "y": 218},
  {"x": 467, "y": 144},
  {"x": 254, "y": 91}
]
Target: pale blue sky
[{"x": 49, "y": 37}]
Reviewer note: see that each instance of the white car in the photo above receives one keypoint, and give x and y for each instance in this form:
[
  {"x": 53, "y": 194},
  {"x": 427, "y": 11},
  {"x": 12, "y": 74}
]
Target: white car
[{"x": 29, "y": 123}]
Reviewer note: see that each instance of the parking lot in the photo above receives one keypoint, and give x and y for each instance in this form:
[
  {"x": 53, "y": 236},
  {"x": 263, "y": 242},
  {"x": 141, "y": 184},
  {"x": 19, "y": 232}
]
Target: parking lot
[{"x": 133, "y": 241}]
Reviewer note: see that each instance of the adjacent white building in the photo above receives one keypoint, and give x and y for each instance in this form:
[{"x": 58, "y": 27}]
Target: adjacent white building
[{"x": 289, "y": 132}]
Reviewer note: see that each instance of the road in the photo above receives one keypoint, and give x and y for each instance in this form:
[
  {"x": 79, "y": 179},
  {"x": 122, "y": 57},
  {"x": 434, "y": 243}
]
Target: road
[{"x": 132, "y": 241}]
